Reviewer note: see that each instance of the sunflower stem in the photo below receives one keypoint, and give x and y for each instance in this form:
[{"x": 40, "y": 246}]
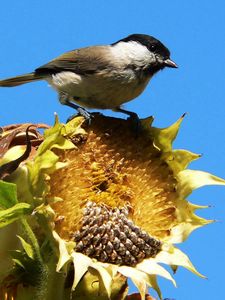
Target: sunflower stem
[
  {"x": 40, "y": 290},
  {"x": 51, "y": 283},
  {"x": 32, "y": 239},
  {"x": 55, "y": 284}
]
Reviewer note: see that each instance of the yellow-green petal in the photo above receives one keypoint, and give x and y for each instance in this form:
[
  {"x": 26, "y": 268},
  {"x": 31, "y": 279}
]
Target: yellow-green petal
[
  {"x": 175, "y": 257},
  {"x": 190, "y": 180},
  {"x": 81, "y": 264},
  {"x": 64, "y": 255},
  {"x": 105, "y": 280},
  {"x": 151, "y": 267},
  {"x": 164, "y": 137},
  {"x": 180, "y": 159},
  {"x": 139, "y": 279}
]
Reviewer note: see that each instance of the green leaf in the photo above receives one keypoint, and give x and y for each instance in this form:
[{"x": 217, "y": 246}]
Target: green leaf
[
  {"x": 51, "y": 135},
  {"x": 8, "y": 194},
  {"x": 55, "y": 139},
  {"x": 12, "y": 214},
  {"x": 41, "y": 165},
  {"x": 18, "y": 257},
  {"x": 18, "y": 263},
  {"x": 45, "y": 161},
  {"x": 27, "y": 247}
]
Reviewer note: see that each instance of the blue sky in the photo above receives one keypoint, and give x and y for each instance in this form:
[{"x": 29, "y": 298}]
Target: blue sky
[{"x": 33, "y": 32}]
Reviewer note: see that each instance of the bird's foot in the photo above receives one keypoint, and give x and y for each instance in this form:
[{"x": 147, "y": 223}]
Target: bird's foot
[
  {"x": 135, "y": 124},
  {"x": 82, "y": 112}
]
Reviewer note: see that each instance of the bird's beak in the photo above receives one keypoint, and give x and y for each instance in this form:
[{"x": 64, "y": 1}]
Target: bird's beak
[{"x": 169, "y": 63}]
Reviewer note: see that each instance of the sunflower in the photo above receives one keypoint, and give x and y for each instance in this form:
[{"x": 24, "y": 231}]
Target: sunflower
[{"x": 92, "y": 205}]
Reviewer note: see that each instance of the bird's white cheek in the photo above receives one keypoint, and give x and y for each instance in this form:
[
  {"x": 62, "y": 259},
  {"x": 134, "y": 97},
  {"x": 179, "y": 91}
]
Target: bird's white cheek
[{"x": 132, "y": 53}]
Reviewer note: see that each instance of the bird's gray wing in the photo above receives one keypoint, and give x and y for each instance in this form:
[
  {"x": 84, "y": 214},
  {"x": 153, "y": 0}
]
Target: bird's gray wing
[{"x": 82, "y": 61}]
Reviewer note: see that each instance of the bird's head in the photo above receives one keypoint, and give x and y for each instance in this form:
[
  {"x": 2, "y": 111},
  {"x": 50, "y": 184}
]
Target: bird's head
[{"x": 147, "y": 51}]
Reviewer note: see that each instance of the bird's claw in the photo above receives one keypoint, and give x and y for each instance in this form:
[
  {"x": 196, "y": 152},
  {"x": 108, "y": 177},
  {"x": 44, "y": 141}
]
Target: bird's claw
[
  {"x": 135, "y": 123},
  {"x": 84, "y": 113}
]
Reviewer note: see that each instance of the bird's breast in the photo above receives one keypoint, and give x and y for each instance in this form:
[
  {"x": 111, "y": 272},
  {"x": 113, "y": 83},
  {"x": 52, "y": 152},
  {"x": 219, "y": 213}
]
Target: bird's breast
[{"x": 106, "y": 89}]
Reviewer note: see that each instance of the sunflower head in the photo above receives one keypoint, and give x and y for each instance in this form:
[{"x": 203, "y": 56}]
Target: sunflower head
[
  {"x": 110, "y": 203},
  {"x": 118, "y": 194}
]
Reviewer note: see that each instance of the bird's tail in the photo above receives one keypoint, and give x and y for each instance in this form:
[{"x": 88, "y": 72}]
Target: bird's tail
[{"x": 18, "y": 80}]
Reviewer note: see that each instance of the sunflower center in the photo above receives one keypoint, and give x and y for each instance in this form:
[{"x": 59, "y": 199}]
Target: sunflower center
[{"x": 109, "y": 236}]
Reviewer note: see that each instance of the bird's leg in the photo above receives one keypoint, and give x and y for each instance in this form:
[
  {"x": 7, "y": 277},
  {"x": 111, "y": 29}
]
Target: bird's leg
[
  {"x": 64, "y": 99},
  {"x": 131, "y": 114},
  {"x": 133, "y": 117}
]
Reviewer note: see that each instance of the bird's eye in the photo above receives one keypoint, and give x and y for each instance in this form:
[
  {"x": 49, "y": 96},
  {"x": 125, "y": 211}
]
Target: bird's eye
[{"x": 153, "y": 47}]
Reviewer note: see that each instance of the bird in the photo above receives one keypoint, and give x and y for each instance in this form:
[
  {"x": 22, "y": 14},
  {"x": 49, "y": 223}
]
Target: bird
[{"x": 102, "y": 76}]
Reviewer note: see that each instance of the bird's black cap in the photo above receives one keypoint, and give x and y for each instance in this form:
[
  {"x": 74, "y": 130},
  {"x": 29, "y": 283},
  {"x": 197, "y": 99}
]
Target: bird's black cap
[{"x": 150, "y": 42}]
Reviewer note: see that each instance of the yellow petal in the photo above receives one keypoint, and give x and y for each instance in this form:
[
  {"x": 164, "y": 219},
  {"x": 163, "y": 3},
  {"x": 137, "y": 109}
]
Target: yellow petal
[
  {"x": 81, "y": 264},
  {"x": 176, "y": 257},
  {"x": 64, "y": 255},
  {"x": 188, "y": 221},
  {"x": 154, "y": 284},
  {"x": 139, "y": 279},
  {"x": 180, "y": 159},
  {"x": 190, "y": 180},
  {"x": 151, "y": 267},
  {"x": 147, "y": 122},
  {"x": 181, "y": 232},
  {"x": 105, "y": 279},
  {"x": 163, "y": 138}
]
